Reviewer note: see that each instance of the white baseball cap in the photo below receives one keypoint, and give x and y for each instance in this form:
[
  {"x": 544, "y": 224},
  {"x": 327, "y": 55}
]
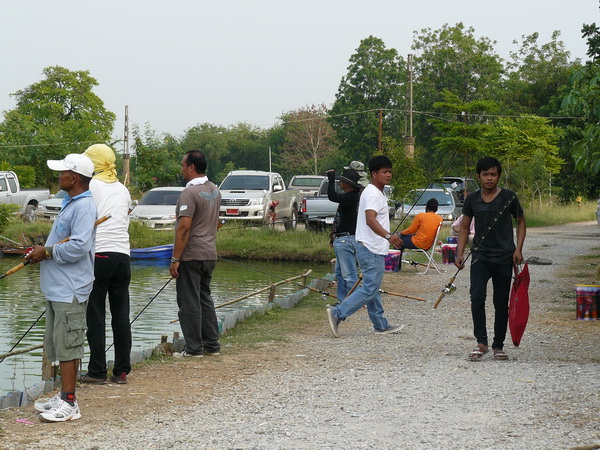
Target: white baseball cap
[{"x": 75, "y": 162}]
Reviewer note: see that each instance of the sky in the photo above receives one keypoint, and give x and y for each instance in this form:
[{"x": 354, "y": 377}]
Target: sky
[{"x": 178, "y": 63}]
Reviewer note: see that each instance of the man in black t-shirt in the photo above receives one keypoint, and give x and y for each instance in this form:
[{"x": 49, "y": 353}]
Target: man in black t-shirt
[{"x": 494, "y": 252}]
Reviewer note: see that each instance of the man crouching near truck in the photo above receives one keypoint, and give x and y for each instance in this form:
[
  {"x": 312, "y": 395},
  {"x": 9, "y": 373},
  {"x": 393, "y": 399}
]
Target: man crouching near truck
[
  {"x": 373, "y": 239},
  {"x": 66, "y": 279}
]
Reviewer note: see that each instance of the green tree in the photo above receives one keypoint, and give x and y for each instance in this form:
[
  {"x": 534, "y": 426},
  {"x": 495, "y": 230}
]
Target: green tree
[
  {"x": 537, "y": 75},
  {"x": 460, "y": 128},
  {"x": 374, "y": 84},
  {"x": 528, "y": 148},
  {"x": 455, "y": 60},
  {"x": 583, "y": 99},
  {"x": 247, "y": 147},
  {"x": 211, "y": 140},
  {"x": 158, "y": 159},
  {"x": 53, "y": 117},
  {"x": 309, "y": 139}
]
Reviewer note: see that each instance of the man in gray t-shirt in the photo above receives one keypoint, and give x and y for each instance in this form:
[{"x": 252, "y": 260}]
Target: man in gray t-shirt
[{"x": 195, "y": 257}]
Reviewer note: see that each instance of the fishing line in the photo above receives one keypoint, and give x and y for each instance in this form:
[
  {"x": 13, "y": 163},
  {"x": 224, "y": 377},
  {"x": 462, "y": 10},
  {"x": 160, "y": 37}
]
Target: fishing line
[
  {"x": 450, "y": 287},
  {"x": 275, "y": 276},
  {"x": 25, "y": 334},
  {"x": 144, "y": 308}
]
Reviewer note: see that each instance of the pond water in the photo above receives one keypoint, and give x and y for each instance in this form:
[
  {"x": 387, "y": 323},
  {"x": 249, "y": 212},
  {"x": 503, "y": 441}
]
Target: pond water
[{"x": 22, "y": 302}]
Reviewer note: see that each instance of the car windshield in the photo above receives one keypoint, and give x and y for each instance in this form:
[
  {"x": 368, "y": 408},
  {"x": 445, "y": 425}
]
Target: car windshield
[
  {"x": 160, "y": 198},
  {"x": 252, "y": 182},
  {"x": 444, "y": 198},
  {"x": 60, "y": 194},
  {"x": 306, "y": 182}
]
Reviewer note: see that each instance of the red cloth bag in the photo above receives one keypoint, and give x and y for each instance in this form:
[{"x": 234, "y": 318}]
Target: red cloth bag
[{"x": 518, "y": 308}]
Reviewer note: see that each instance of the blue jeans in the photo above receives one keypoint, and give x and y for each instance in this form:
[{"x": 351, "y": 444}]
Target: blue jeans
[
  {"x": 372, "y": 267},
  {"x": 345, "y": 265},
  {"x": 501, "y": 275}
]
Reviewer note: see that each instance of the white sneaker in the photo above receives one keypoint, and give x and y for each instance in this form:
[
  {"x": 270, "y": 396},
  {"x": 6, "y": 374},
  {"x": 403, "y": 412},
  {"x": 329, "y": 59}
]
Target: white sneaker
[
  {"x": 62, "y": 413},
  {"x": 185, "y": 354},
  {"x": 47, "y": 404},
  {"x": 391, "y": 329}
]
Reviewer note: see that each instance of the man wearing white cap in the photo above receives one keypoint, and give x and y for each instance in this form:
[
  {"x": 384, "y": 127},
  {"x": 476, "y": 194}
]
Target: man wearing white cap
[{"x": 66, "y": 279}]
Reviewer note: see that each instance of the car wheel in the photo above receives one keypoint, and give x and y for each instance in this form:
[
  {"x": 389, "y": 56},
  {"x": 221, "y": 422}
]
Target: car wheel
[
  {"x": 293, "y": 222},
  {"x": 29, "y": 214}
]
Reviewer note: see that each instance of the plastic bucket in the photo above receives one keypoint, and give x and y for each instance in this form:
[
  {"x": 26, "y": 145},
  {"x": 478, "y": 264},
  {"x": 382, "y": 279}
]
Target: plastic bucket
[
  {"x": 392, "y": 261},
  {"x": 448, "y": 253},
  {"x": 588, "y": 301}
]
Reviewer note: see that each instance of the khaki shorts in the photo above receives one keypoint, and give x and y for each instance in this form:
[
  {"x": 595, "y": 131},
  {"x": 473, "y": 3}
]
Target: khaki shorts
[{"x": 65, "y": 330}]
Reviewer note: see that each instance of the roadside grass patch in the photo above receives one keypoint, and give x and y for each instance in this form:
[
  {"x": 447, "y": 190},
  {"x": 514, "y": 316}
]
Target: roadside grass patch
[
  {"x": 554, "y": 214},
  {"x": 276, "y": 325}
]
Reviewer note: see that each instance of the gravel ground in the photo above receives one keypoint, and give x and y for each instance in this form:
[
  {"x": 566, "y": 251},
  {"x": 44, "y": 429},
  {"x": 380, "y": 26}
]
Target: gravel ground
[{"x": 415, "y": 389}]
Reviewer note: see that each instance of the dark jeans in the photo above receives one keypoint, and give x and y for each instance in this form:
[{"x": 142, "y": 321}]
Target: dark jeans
[
  {"x": 197, "y": 315},
  {"x": 113, "y": 274},
  {"x": 407, "y": 241},
  {"x": 501, "y": 275}
]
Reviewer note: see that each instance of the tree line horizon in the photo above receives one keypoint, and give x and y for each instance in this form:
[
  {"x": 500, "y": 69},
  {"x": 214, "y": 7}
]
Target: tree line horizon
[{"x": 537, "y": 112}]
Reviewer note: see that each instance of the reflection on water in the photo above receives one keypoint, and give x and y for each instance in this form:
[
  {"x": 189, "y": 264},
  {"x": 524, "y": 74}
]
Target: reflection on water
[{"x": 21, "y": 303}]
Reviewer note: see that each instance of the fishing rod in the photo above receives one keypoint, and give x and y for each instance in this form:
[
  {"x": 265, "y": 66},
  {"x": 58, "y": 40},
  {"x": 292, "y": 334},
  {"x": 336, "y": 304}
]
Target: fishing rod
[
  {"x": 24, "y": 334},
  {"x": 144, "y": 308},
  {"x": 278, "y": 277},
  {"x": 14, "y": 242},
  {"x": 28, "y": 261},
  {"x": 450, "y": 287},
  {"x": 402, "y": 295}
]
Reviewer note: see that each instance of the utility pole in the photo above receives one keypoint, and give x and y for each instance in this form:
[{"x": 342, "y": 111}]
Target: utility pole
[
  {"x": 409, "y": 141},
  {"x": 379, "y": 144},
  {"x": 126, "y": 177}
]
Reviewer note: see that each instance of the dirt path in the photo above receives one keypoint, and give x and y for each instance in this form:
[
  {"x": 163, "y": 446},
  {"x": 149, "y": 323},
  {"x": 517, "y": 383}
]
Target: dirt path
[{"x": 415, "y": 389}]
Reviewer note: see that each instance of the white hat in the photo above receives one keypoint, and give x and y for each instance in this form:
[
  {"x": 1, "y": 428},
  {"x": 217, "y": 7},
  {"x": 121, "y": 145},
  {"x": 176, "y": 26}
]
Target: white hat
[{"x": 75, "y": 162}]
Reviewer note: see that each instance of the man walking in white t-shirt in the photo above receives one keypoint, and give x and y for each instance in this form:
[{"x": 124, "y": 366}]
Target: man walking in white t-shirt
[{"x": 374, "y": 239}]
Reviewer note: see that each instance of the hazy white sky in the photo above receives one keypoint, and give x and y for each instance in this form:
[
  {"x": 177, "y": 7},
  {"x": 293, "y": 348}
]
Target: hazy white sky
[{"x": 177, "y": 63}]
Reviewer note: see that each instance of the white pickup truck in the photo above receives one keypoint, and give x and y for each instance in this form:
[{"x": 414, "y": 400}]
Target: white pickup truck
[
  {"x": 256, "y": 196},
  {"x": 26, "y": 199}
]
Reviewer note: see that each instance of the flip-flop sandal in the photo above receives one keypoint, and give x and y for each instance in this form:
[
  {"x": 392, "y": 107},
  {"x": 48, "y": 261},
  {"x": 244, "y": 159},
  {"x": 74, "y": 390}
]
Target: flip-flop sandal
[
  {"x": 539, "y": 261},
  {"x": 477, "y": 354},
  {"x": 500, "y": 355}
]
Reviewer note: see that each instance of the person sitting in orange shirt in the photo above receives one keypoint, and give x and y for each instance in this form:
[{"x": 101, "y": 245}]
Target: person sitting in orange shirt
[{"x": 421, "y": 232}]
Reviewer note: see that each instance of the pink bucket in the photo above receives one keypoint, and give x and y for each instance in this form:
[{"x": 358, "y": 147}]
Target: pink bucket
[
  {"x": 392, "y": 261},
  {"x": 448, "y": 253},
  {"x": 588, "y": 301}
]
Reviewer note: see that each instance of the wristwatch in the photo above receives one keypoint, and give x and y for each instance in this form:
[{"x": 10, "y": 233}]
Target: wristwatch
[
  {"x": 388, "y": 236},
  {"x": 174, "y": 259}
]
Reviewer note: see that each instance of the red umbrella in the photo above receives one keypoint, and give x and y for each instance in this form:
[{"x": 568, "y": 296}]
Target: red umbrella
[{"x": 518, "y": 308}]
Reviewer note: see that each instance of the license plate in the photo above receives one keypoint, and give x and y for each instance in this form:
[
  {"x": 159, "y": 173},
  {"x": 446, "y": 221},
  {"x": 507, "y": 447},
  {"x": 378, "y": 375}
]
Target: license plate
[
  {"x": 233, "y": 212},
  {"x": 328, "y": 220}
]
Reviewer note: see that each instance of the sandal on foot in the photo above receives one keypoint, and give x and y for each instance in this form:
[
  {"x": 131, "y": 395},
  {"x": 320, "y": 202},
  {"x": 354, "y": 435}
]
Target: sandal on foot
[
  {"x": 500, "y": 355},
  {"x": 477, "y": 354}
]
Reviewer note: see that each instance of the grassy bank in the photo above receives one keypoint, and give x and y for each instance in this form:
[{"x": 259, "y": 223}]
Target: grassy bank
[
  {"x": 233, "y": 241},
  {"x": 554, "y": 214},
  {"x": 264, "y": 243}
]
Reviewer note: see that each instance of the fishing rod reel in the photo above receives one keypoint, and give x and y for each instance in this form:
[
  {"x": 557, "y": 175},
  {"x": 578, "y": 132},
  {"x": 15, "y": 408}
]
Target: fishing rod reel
[{"x": 449, "y": 289}]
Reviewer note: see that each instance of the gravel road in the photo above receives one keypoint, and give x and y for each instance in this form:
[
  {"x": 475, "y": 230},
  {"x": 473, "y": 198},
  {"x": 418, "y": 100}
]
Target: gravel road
[{"x": 412, "y": 390}]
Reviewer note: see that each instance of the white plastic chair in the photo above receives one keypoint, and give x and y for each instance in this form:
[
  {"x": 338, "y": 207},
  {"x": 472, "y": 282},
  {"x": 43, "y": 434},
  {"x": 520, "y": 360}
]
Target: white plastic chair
[{"x": 429, "y": 253}]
